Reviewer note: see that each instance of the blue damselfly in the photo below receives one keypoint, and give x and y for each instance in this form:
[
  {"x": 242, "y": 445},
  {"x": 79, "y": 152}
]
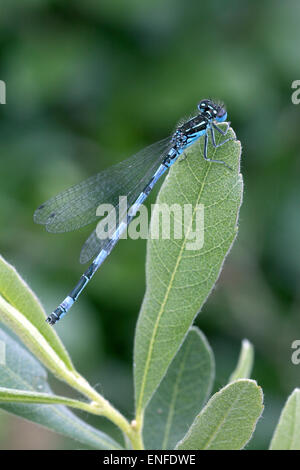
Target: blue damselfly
[{"x": 135, "y": 178}]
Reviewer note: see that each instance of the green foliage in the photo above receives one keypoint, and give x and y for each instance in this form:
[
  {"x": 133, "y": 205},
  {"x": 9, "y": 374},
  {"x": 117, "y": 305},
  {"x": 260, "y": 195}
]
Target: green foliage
[
  {"x": 90, "y": 82},
  {"x": 16, "y": 295},
  {"x": 25, "y": 381},
  {"x": 173, "y": 362},
  {"x": 245, "y": 362},
  {"x": 181, "y": 394},
  {"x": 287, "y": 432},
  {"x": 179, "y": 279},
  {"x": 45, "y": 345},
  {"x": 174, "y": 365},
  {"x": 228, "y": 420}
]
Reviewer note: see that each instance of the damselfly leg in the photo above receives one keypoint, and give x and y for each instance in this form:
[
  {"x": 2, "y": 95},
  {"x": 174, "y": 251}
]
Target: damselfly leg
[{"x": 215, "y": 145}]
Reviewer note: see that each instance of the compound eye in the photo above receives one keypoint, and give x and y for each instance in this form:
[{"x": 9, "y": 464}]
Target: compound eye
[{"x": 201, "y": 105}]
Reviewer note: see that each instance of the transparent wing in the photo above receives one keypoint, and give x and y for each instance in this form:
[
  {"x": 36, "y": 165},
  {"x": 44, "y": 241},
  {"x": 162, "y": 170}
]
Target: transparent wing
[
  {"x": 92, "y": 246},
  {"x": 76, "y": 206}
]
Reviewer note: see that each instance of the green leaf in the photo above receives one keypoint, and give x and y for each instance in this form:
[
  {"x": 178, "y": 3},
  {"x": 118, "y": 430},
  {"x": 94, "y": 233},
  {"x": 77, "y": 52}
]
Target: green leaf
[
  {"x": 228, "y": 420},
  {"x": 181, "y": 394},
  {"x": 21, "y": 311},
  {"x": 245, "y": 362},
  {"x": 11, "y": 395},
  {"x": 287, "y": 432},
  {"x": 179, "y": 279},
  {"x": 20, "y": 371}
]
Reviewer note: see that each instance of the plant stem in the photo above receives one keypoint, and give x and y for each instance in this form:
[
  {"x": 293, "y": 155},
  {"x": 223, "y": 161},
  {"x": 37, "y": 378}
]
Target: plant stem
[
  {"x": 100, "y": 406},
  {"x": 137, "y": 425},
  {"x": 136, "y": 437}
]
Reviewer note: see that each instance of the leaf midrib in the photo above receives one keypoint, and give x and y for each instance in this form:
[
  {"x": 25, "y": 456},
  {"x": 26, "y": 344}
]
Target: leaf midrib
[
  {"x": 139, "y": 406},
  {"x": 219, "y": 426},
  {"x": 174, "y": 397}
]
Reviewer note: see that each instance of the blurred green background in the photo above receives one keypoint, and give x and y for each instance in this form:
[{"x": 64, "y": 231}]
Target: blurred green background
[{"x": 89, "y": 83}]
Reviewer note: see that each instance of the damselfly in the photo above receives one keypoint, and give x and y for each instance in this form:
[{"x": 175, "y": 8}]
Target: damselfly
[{"x": 135, "y": 178}]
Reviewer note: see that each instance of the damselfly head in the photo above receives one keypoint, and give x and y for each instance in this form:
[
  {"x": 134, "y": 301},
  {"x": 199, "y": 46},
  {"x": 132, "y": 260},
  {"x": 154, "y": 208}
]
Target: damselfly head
[{"x": 213, "y": 110}]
